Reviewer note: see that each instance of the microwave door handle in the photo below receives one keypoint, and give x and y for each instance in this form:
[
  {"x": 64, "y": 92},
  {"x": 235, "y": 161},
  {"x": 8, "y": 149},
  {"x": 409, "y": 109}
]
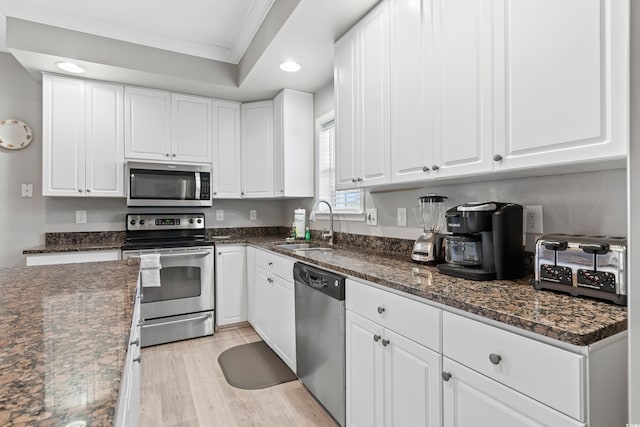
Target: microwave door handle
[{"x": 197, "y": 195}]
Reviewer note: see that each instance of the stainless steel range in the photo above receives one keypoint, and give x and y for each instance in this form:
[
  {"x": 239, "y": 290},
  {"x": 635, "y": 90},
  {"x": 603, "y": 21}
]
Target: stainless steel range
[{"x": 182, "y": 306}]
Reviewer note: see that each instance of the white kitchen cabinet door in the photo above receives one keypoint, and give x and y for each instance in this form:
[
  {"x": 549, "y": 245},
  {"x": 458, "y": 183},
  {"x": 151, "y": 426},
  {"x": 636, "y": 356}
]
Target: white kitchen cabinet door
[
  {"x": 471, "y": 399},
  {"x": 283, "y": 336},
  {"x": 361, "y": 75},
  {"x": 226, "y": 175},
  {"x": 293, "y": 144},
  {"x": 251, "y": 284},
  {"x": 364, "y": 372},
  {"x": 63, "y": 154},
  {"x": 147, "y": 124},
  {"x": 262, "y": 304},
  {"x": 412, "y": 89},
  {"x": 257, "y": 149},
  {"x": 190, "y": 128},
  {"x": 231, "y": 285},
  {"x": 412, "y": 393},
  {"x": 561, "y": 82},
  {"x": 104, "y": 142},
  {"x": 462, "y": 74},
  {"x": 346, "y": 82},
  {"x": 374, "y": 97}
]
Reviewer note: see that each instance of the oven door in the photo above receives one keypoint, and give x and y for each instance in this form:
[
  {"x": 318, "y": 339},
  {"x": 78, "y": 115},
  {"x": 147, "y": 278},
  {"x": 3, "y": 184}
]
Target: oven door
[{"x": 186, "y": 282}]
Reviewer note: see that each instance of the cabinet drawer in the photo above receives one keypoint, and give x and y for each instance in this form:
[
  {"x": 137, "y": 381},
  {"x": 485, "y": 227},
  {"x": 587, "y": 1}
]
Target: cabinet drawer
[
  {"x": 276, "y": 264},
  {"x": 548, "y": 374},
  {"x": 412, "y": 319}
]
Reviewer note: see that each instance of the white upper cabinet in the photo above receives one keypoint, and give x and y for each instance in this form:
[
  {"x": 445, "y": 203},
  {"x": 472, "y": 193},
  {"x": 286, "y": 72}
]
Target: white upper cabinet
[
  {"x": 226, "y": 176},
  {"x": 257, "y": 149},
  {"x": 461, "y": 95},
  {"x": 164, "y": 126},
  {"x": 363, "y": 102},
  {"x": 293, "y": 144},
  {"x": 82, "y": 138},
  {"x": 562, "y": 81},
  {"x": 147, "y": 124},
  {"x": 190, "y": 128}
]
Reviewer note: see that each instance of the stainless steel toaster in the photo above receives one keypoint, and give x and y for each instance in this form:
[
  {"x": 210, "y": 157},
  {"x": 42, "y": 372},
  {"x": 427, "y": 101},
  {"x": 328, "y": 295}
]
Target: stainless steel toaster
[{"x": 593, "y": 266}]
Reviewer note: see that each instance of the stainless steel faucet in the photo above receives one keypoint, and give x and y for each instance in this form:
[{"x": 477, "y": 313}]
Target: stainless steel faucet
[{"x": 325, "y": 233}]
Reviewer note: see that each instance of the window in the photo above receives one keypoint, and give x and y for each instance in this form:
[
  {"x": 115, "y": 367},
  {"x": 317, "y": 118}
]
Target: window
[{"x": 343, "y": 201}]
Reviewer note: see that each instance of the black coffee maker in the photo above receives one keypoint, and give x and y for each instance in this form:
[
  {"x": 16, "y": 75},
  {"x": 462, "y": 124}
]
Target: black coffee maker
[{"x": 486, "y": 243}]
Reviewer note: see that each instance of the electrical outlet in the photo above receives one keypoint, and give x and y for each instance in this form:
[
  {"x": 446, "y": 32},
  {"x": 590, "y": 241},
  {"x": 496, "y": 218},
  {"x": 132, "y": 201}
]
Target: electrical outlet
[
  {"x": 533, "y": 219},
  {"x": 372, "y": 216},
  {"x": 253, "y": 215},
  {"x": 402, "y": 217},
  {"x": 81, "y": 217},
  {"x": 219, "y": 215},
  {"x": 26, "y": 190}
]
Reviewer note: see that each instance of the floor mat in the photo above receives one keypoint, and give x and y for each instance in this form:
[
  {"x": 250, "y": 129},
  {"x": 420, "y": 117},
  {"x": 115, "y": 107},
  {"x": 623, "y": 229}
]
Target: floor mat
[{"x": 254, "y": 366}]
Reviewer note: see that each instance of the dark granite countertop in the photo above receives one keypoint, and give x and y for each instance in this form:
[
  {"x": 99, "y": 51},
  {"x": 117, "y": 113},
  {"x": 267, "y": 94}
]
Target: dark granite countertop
[
  {"x": 63, "y": 341},
  {"x": 569, "y": 319},
  {"x": 73, "y": 247}
]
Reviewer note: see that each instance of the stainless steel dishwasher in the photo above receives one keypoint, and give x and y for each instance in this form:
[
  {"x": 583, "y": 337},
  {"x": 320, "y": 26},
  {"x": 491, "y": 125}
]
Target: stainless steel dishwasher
[{"x": 320, "y": 337}]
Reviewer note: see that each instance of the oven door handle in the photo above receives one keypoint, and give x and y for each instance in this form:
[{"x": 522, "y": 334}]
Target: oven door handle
[
  {"x": 171, "y": 322},
  {"x": 180, "y": 254}
]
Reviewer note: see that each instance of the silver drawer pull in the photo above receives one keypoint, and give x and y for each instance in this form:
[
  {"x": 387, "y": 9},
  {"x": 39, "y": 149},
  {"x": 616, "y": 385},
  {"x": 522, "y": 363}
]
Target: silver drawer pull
[
  {"x": 138, "y": 359},
  {"x": 446, "y": 376},
  {"x": 141, "y": 322},
  {"x": 385, "y": 343},
  {"x": 376, "y": 338},
  {"x": 381, "y": 310},
  {"x": 135, "y": 342},
  {"x": 495, "y": 358}
]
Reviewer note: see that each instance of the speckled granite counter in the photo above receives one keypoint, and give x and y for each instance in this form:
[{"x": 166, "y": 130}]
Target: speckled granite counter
[
  {"x": 573, "y": 320},
  {"x": 73, "y": 247},
  {"x": 63, "y": 341}
]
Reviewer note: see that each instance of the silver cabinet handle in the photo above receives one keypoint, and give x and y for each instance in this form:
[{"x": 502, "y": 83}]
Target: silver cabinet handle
[
  {"x": 381, "y": 310},
  {"x": 269, "y": 279},
  {"x": 497, "y": 158},
  {"x": 385, "y": 343},
  {"x": 495, "y": 358},
  {"x": 425, "y": 169},
  {"x": 136, "y": 342},
  {"x": 446, "y": 376},
  {"x": 79, "y": 190},
  {"x": 242, "y": 193},
  {"x": 166, "y": 154},
  {"x": 354, "y": 180},
  {"x": 435, "y": 167},
  {"x": 376, "y": 338},
  {"x": 359, "y": 179},
  {"x": 88, "y": 191},
  {"x": 173, "y": 322},
  {"x": 174, "y": 155},
  {"x": 138, "y": 359},
  {"x": 270, "y": 263},
  {"x": 140, "y": 323},
  {"x": 215, "y": 192}
]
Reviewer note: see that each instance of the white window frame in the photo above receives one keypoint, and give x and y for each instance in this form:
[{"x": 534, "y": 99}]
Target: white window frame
[{"x": 320, "y": 210}]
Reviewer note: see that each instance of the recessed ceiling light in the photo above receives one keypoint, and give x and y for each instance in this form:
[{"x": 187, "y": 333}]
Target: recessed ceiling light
[
  {"x": 70, "y": 67},
  {"x": 290, "y": 66}
]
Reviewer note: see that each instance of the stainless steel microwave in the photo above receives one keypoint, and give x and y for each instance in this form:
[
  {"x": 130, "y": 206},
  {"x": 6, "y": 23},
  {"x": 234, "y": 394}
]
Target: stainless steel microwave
[{"x": 157, "y": 184}]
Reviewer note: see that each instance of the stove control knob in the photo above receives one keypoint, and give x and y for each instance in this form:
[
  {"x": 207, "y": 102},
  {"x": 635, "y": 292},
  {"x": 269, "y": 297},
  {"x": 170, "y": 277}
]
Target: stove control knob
[
  {"x": 191, "y": 221},
  {"x": 142, "y": 222},
  {"x": 199, "y": 220},
  {"x": 132, "y": 222}
]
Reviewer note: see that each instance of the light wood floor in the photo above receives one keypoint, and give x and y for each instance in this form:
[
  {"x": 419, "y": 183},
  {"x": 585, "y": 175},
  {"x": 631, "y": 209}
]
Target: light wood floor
[{"x": 183, "y": 385}]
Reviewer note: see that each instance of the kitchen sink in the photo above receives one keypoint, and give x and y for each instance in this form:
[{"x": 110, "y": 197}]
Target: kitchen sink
[{"x": 306, "y": 247}]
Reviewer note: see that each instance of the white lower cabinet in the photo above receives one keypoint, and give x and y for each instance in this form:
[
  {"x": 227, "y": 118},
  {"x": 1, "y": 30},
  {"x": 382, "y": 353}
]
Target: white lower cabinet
[
  {"x": 471, "y": 399},
  {"x": 231, "y": 285},
  {"x": 128, "y": 410},
  {"x": 272, "y": 304},
  {"x": 392, "y": 380}
]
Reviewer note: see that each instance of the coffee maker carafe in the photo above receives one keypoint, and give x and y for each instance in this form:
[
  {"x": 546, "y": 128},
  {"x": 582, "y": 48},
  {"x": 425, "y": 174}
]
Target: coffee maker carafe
[
  {"x": 430, "y": 214},
  {"x": 486, "y": 243}
]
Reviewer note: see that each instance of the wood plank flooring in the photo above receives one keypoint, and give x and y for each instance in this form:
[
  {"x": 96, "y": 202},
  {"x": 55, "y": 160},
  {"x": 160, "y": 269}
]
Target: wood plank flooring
[{"x": 183, "y": 386}]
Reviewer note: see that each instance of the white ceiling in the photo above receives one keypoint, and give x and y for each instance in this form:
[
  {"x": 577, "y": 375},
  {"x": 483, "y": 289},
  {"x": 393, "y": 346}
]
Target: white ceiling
[
  {"x": 207, "y": 37},
  {"x": 212, "y": 29}
]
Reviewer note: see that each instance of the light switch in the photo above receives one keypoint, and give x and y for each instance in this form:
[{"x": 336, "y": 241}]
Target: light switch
[
  {"x": 81, "y": 217},
  {"x": 253, "y": 215},
  {"x": 372, "y": 216},
  {"x": 219, "y": 215},
  {"x": 26, "y": 190}
]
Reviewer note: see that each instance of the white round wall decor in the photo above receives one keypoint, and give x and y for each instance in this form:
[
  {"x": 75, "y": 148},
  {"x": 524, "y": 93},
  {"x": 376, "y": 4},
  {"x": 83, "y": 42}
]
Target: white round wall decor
[{"x": 14, "y": 134}]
